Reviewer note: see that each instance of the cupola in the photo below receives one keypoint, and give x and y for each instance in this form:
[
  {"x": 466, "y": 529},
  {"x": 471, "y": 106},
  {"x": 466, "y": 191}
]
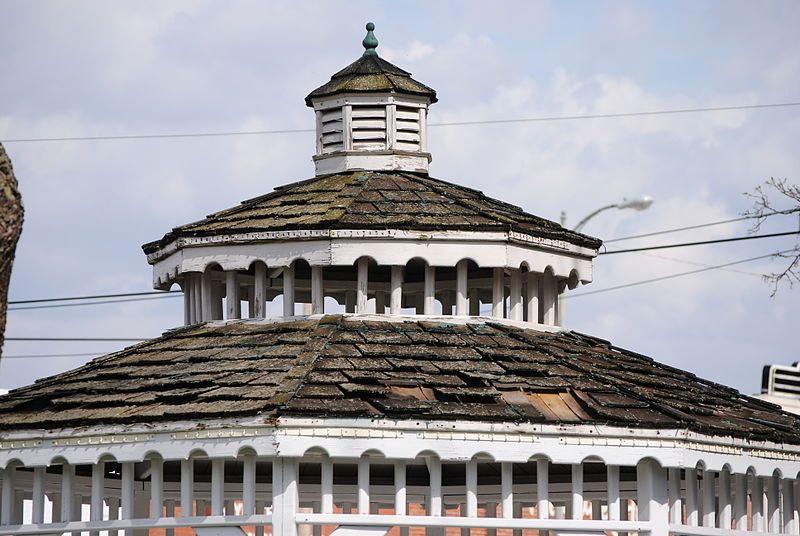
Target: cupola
[{"x": 371, "y": 116}]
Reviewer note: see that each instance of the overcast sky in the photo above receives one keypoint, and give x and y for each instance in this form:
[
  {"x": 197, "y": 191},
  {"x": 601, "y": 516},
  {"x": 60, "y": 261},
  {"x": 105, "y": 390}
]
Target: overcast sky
[{"x": 85, "y": 68}]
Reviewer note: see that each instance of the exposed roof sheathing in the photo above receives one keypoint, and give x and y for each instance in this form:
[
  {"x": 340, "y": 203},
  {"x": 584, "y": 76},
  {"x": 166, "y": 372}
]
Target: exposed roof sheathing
[
  {"x": 374, "y": 200},
  {"x": 351, "y": 366},
  {"x": 372, "y": 74}
]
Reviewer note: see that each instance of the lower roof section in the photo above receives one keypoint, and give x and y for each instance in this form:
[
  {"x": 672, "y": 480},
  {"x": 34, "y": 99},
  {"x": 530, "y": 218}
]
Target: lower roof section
[{"x": 358, "y": 366}]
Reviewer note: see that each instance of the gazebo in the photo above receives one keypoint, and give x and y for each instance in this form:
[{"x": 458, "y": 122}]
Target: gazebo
[{"x": 418, "y": 380}]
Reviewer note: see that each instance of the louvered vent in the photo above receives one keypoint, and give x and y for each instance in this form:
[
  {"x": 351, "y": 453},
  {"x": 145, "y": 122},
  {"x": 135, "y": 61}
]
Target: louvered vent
[
  {"x": 332, "y": 131},
  {"x": 407, "y": 137},
  {"x": 369, "y": 128}
]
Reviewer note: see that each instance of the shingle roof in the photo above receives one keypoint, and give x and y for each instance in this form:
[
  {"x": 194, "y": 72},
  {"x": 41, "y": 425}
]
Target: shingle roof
[
  {"x": 358, "y": 366},
  {"x": 374, "y": 200},
  {"x": 372, "y": 74}
]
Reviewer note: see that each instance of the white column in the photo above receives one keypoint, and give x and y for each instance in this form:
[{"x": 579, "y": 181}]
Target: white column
[
  {"x": 515, "y": 296},
  {"x": 532, "y": 297},
  {"x": 548, "y": 297},
  {"x": 156, "y": 487},
  {"x": 577, "y": 491},
  {"x": 429, "y": 297},
  {"x": 326, "y": 485},
  {"x": 217, "y": 486},
  {"x": 472, "y": 487},
  {"x": 233, "y": 305},
  {"x": 725, "y": 506},
  {"x": 773, "y": 505},
  {"x": 288, "y": 290},
  {"x": 260, "y": 290},
  {"x": 205, "y": 296},
  {"x": 285, "y": 500},
  {"x": 187, "y": 301},
  {"x": 396, "y": 300},
  {"x": 37, "y": 495},
  {"x": 651, "y": 485},
  {"x": 561, "y": 304},
  {"x": 400, "y": 499},
  {"x": 67, "y": 491},
  {"x": 675, "y": 506},
  {"x": 740, "y": 501},
  {"x": 507, "y": 489},
  {"x": 248, "y": 484},
  {"x": 612, "y": 480},
  {"x": 435, "y": 472},
  {"x": 461, "y": 287},
  {"x": 127, "y": 492},
  {"x": 757, "y": 499},
  {"x": 498, "y": 295},
  {"x": 788, "y": 506},
  {"x": 187, "y": 487},
  {"x": 692, "y": 514},
  {"x": 198, "y": 297},
  {"x": 96, "y": 496},
  {"x": 543, "y": 488},
  {"x": 709, "y": 503},
  {"x": 363, "y": 485},
  {"x": 362, "y": 285}
]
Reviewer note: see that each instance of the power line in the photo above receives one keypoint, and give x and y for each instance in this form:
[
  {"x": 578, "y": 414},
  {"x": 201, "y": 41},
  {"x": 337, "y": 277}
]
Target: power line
[
  {"x": 36, "y": 356},
  {"x": 673, "y": 276},
  {"x": 677, "y": 229},
  {"x": 448, "y": 124},
  {"x": 55, "y": 305},
  {"x": 694, "y": 263},
  {"x": 73, "y": 339},
  {"x": 704, "y": 242},
  {"x": 95, "y": 297}
]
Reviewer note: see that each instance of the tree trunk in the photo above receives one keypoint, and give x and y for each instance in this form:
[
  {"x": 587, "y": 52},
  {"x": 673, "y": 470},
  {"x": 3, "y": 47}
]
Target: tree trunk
[{"x": 11, "y": 216}]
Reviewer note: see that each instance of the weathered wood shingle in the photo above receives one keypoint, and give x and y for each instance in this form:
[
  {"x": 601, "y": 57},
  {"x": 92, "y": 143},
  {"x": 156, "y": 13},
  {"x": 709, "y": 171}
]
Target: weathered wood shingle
[
  {"x": 374, "y": 200},
  {"x": 347, "y": 366}
]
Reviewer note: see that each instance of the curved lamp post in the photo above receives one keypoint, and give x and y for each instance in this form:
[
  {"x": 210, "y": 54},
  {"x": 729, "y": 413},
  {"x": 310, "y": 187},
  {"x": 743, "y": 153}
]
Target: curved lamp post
[
  {"x": 642, "y": 202},
  {"x": 637, "y": 203}
]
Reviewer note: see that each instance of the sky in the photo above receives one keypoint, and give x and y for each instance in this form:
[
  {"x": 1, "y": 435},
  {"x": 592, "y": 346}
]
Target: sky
[{"x": 96, "y": 68}]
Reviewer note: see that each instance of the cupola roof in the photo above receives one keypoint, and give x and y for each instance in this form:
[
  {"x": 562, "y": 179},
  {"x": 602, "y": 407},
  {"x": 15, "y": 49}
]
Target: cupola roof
[
  {"x": 374, "y": 200},
  {"x": 371, "y": 74},
  {"x": 405, "y": 368}
]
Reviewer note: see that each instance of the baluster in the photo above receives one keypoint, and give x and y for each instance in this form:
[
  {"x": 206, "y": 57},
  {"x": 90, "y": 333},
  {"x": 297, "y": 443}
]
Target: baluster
[
  {"x": 187, "y": 487},
  {"x": 217, "y": 486},
  {"x": 37, "y": 495},
  {"x": 326, "y": 485},
  {"x": 542, "y": 488},
  {"x": 709, "y": 503},
  {"x": 472, "y": 488},
  {"x": 249, "y": 485},
  {"x": 400, "y": 498}
]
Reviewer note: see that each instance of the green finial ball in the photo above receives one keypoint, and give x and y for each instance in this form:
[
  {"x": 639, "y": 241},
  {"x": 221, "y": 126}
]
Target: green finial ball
[{"x": 370, "y": 42}]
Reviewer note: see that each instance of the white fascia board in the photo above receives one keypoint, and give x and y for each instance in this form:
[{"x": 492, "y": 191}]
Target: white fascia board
[
  {"x": 450, "y": 440},
  {"x": 337, "y": 101},
  {"x": 387, "y": 246}
]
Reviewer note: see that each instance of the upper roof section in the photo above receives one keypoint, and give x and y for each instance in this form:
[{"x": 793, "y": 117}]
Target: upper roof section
[
  {"x": 373, "y": 200},
  {"x": 371, "y": 74},
  {"x": 355, "y": 366}
]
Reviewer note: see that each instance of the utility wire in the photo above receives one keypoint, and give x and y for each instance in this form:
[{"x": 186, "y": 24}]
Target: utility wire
[
  {"x": 704, "y": 242},
  {"x": 448, "y": 124},
  {"x": 95, "y": 297},
  {"x": 55, "y": 305},
  {"x": 608, "y": 289},
  {"x": 674, "y": 276},
  {"x": 73, "y": 339},
  {"x": 678, "y": 229},
  {"x": 36, "y": 356}
]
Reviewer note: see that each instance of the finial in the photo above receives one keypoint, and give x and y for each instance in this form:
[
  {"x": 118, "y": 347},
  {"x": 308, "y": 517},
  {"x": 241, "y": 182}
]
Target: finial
[{"x": 370, "y": 42}]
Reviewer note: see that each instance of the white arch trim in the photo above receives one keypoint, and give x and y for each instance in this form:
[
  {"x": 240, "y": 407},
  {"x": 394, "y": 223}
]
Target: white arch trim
[
  {"x": 450, "y": 441},
  {"x": 486, "y": 252}
]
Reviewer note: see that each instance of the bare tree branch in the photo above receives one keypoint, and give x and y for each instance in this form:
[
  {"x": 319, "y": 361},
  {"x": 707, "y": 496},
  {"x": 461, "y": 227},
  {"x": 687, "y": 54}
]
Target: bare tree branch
[{"x": 766, "y": 204}]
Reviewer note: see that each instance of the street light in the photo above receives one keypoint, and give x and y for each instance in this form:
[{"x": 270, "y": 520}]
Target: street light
[
  {"x": 642, "y": 202},
  {"x": 637, "y": 203}
]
